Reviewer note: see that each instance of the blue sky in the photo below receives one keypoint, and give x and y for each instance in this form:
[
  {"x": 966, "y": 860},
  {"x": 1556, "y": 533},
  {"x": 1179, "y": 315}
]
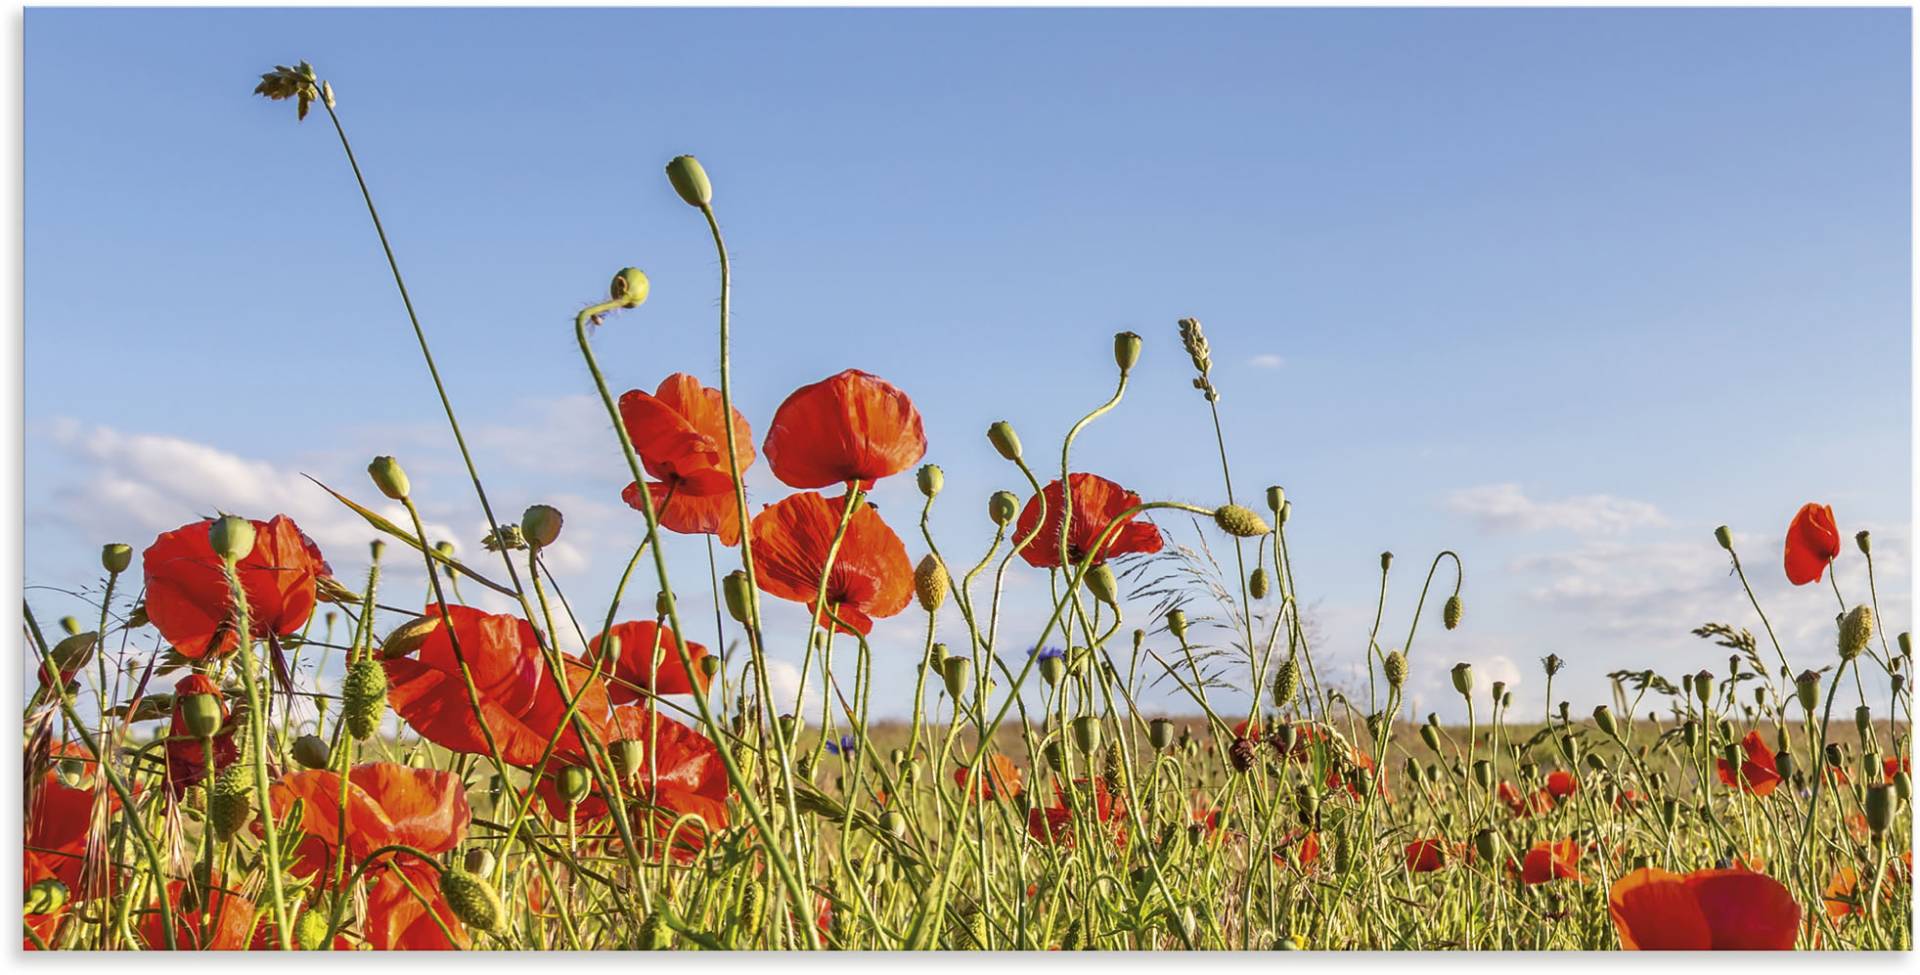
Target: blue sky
[{"x": 1559, "y": 290}]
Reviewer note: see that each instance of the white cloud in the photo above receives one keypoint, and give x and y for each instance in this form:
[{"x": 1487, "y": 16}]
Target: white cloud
[
  {"x": 1267, "y": 360},
  {"x": 1506, "y": 508},
  {"x": 783, "y": 682}
]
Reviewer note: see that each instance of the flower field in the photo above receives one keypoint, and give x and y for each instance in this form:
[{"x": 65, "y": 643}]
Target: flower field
[{"x": 589, "y": 777}]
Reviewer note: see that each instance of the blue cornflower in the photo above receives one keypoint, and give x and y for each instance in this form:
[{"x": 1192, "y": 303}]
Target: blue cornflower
[
  {"x": 845, "y": 746},
  {"x": 1054, "y": 652}
]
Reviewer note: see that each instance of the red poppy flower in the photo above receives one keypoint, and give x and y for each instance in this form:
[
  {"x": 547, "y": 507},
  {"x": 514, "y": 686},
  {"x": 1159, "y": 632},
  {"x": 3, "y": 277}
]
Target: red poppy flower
[
  {"x": 230, "y": 929},
  {"x": 682, "y": 775},
  {"x": 871, "y": 576},
  {"x": 998, "y": 777},
  {"x": 1722, "y": 910},
  {"x": 1758, "y": 773},
  {"x": 1426, "y": 856},
  {"x": 1363, "y": 762},
  {"x": 1894, "y": 765},
  {"x": 1812, "y": 542},
  {"x": 1304, "y": 844},
  {"x": 848, "y": 427},
  {"x": 518, "y": 695},
  {"x": 1524, "y": 806},
  {"x": 186, "y": 759},
  {"x": 1096, "y": 503},
  {"x": 649, "y": 662},
  {"x": 387, "y": 803},
  {"x": 1551, "y": 861},
  {"x": 680, "y": 434},
  {"x": 401, "y": 906},
  {"x": 1628, "y": 798},
  {"x": 1054, "y": 824},
  {"x": 59, "y": 822},
  {"x": 1561, "y": 784},
  {"x": 187, "y": 596}
]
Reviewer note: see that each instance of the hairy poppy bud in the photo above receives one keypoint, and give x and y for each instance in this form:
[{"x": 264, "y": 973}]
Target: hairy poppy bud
[
  {"x": 389, "y": 478},
  {"x": 1450, "y": 613},
  {"x": 1002, "y": 506},
  {"x": 957, "y": 673},
  {"x": 230, "y": 806},
  {"x": 1463, "y": 679},
  {"x": 628, "y": 756},
  {"x": 202, "y": 713},
  {"x": 931, "y": 479},
  {"x": 1395, "y": 668},
  {"x": 930, "y": 583},
  {"x": 1004, "y": 440},
  {"x": 1086, "y": 734},
  {"x": 232, "y": 537},
  {"x": 312, "y": 751},
  {"x": 1603, "y": 719},
  {"x": 1257, "y": 583},
  {"x": 630, "y": 287},
  {"x": 1177, "y": 624},
  {"x": 1724, "y": 536},
  {"x": 1240, "y": 521},
  {"x": 540, "y": 525},
  {"x": 1856, "y": 629},
  {"x": 1103, "y": 585},
  {"x": 1126, "y": 350},
  {"x": 689, "y": 179},
  {"x": 1286, "y": 682},
  {"x": 574, "y": 784},
  {"x": 1160, "y": 733},
  {"x": 363, "y": 698},
  {"x": 115, "y": 557},
  {"x": 473, "y": 900}
]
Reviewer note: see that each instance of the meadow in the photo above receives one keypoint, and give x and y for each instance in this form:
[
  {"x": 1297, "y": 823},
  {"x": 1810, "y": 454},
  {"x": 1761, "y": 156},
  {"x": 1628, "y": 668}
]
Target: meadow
[{"x": 471, "y": 783}]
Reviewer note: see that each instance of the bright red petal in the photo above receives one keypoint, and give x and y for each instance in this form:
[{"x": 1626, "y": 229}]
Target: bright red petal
[
  {"x": 1746, "y": 911},
  {"x": 849, "y": 427}
]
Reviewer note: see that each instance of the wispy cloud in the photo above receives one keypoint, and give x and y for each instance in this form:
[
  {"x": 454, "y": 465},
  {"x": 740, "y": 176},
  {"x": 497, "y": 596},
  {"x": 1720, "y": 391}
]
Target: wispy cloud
[
  {"x": 1267, "y": 360},
  {"x": 1506, "y": 508}
]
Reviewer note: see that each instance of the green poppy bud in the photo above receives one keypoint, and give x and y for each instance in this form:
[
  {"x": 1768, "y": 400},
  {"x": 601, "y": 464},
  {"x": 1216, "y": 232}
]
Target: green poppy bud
[
  {"x": 1724, "y": 536},
  {"x": 232, "y": 537},
  {"x": 1690, "y": 733},
  {"x": 1783, "y": 762},
  {"x": 312, "y": 751},
  {"x": 1285, "y": 736},
  {"x": 1864, "y": 539},
  {"x": 1126, "y": 351},
  {"x": 1103, "y": 585},
  {"x": 1486, "y": 846},
  {"x": 1286, "y": 682},
  {"x": 1086, "y": 733},
  {"x": 1431, "y": 737},
  {"x": 931, "y": 479},
  {"x": 575, "y": 783},
  {"x": 1483, "y": 773},
  {"x": 1450, "y": 613},
  {"x": 230, "y": 806},
  {"x": 202, "y": 713},
  {"x": 1569, "y": 749},
  {"x": 629, "y": 755},
  {"x": 1177, "y": 624},
  {"x": 1386, "y": 561},
  {"x": 115, "y": 557},
  {"x": 71, "y": 625},
  {"x": 1903, "y": 786},
  {"x": 1463, "y": 679},
  {"x": 1004, "y": 440},
  {"x": 473, "y": 900},
  {"x": 1856, "y": 629},
  {"x": 1863, "y": 723},
  {"x": 1240, "y": 521},
  {"x": 739, "y": 595},
  {"x": 389, "y": 478},
  {"x": 710, "y": 666},
  {"x": 894, "y": 823},
  {"x": 957, "y": 673},
  {"x": 1002, "y": 507},
  {"x": 46, "y": 896},
  {"x": 1160, "y": 733},
  {"x": 1603, "y": 719},
  {"x": 540, "y": 525},
  {"x": 1879, "y": 805},
  {"x": 630, "y": 287},
  {"x": 689, "y": 179},
  {"x": 1052, "y": 669},
  {"x": 1285, "y": 513},
  {"x": 1836, "y": 757}
]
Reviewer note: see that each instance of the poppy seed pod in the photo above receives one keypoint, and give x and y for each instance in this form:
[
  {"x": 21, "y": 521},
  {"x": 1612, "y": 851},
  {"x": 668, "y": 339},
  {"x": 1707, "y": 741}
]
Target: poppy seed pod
[
  {"x": 1906, "y": 645},
  {"x": 1431, "y": 737},
  {"x": 1724, "y": 536},
  {"x": 957, "y": 674},
  {"x": 1276, "y": 499},
  {"x": 202, "y": 713},
  {"x": 473, "y": 900},
  {"x": 1552, "y": 663},
  {"x": 575, "y": 783},
  {"x": 1240, "y": 521},
  {"x": 1052, "y": 669},
  {"x": 931, "y": 479},
  {"x": 1856, "y": 629},
  {"x": 540, "y": 525},
  {"x": 1690, "y": 733},
  {"x": 1499, "y": 691},
  {"x": 930, "y": 583},
  {"x": 1864, "y": 539},
  {"x": 232, "y": 537},
  {"x": 389, "y": 478},
  {"x": 1103, "y": 585},
  {"x": 1126, "y": 351},
  {"x": 1395, "y": 668},
  {"x": 115, "y": 557},
  {"x": 1004, "y": 440},
  {"x": 1603, "y": 719},
  {"x": 363, "y": 697},
  {"x": 1286, "y": 682},
  {"x": 709, "y": 666},
  {"x": 1703, "y": 686},
  {"x": 689, "y": 179},
  {"x": 1002, "y": 506},
  {"x": 1806, "y": 688},
  {"x": 1160, "y": 733},
  {"x": 1450, "y": 613},
  {"x": 1086, "y": 734},
  {"x": 628, "y": 756},
  {"x": 1486, "y": 846},
  {"x": 1177, "y": 624},
  {"x": 630, "y": 287},
  {"x": 312, "y": 751},
  {"x": 1257, "y": 583},
  {"x": 1463, "y": 679}
]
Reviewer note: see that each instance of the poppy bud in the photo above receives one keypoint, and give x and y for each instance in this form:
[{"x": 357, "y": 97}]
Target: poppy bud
[
  {"x": 1703, "y": 686},
  {"x": 790, "y": 727},
  {"x": 1126, "y": 351},
  {"x": 1450, "y": 613},
  {"x": 115, "y": 557},
  {"x": 630, "y": 287},
  {"x": 1160, "y": 733},
  {"x": 1286, "y": 682},
  {"x": 1863, "y": 722},
  {"x": 230, "y": 806},
  {"x": 628, "y": 756},
  {"x": 1835, "y": 756},
  {"x": 1724, "y": 536},
  {"x": 709, "y": 666},
  {"x": 1569, "y": 749},
  {"x": 1285, "y": 736},
  {"x": 473, "y": 900},
  {"x": 540, "y": 525},
  {"x": 1486, "y": 846},
  {"x": 46, "y": 896},
  {"x": 739, "y": 595},
  {"x": 202, "y": 712},
  {"x": 1865, "y": 541},
  {"x": 232, "y": 537},
  {"x": 312, "y": 751},
  {"x": 1903, "y": 786},
  {"x": 689, "y": 179},
  {"x": 71, "y": 625},
  {"x": 1103, "y": 585},
  {"x": 930, "y": 583},
  {"x": 389, "y": 478},
  {"x": 1086, "y": 733},
  {"x": 1463, "y": 679},
  {"x": 931, "y": 479},
  {"x": 1286, "y": 512},
  {"x": 1499, "y": 690},
  {"x": 1177, "y": 624},
  {"x": 1783, "y": 763},
  {"x": 1690, "y": 732},
  {"x": 1483, "y": 773},
  {"x": 1052, "y": 669},
  {"x": 1240, "y": 521},
  {"x": 1879, "y": 807},
  {"x": 1856, "y": 629},
  {"x": 574, "y": 784},
  {"x": 1004, "y": 440},
  {"x": 1431, "y": 737},
  {"x": 1395, "y": 668},
  {"x": 938, "y": 653},
  {"x": 1056, "y": 755},
  {"x": 1906, "y": 645},
  {"x": 957, "y": 673},
  {"x": 363, "y": 696},
  {"x": 1002, "y": 506},
  {"x": 1669, "y": 812},
  {"x": 894, "y": 823},
  {"x": 1806, "y": 688}
]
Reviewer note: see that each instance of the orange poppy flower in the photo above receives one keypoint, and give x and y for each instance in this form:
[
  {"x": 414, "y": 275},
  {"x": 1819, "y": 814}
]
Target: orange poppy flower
[
  {"x": 1561, "y": 784},
  {"x": 649, "y": 662},
  {"x": 682, "y": 775},
  {"x": 871, "y": 576},
  {"x": 231, "y": 927},
  {"x": 59, "y": 822},
  {"x": 1551, "y": 861},
  {"x": 187, "y": 596},
  {"x": 1721, "y": 910},
  {"x": 1524, "y": 806},
  {"x": 518, "y": 695},
  {"x": 1843, "y": 895},
  {"x": 999, "y": 777},
  {"x": 399, "y": 919},
  {"x": 848, "y": 427},
  {"x": 1758, "y": 773},
  {"x": 1628, "y": 798},
  {"x": 186, "y": 758},
  {"x": 1428, "y": 855},
  {"x": 387, "y": 803},
  {"x": 1303, "y": 843},
  {"x": 680, "y": 435},
  {"x": 1364, "y": 761},
  {"x": 1096, "y": 503},
  {"x": 1812, "y": 542}
]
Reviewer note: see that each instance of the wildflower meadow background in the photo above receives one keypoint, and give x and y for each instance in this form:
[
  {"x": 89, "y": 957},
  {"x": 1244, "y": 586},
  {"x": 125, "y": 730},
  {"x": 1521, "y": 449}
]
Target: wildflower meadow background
[{"x": 1007, "y": 480}]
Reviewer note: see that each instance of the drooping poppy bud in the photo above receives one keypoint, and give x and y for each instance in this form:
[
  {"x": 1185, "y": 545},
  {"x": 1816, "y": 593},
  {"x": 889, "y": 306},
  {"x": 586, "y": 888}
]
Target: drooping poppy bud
[
  {"x": 389, "y": 478},
  {"x": 232, "y": 537},
  {"x": 1103, "y": 585},
  {"x": 1603, "y": 718},
  {"x": 628, "y": 756},
  {"x": 630, "y": 287},
  {"x": 1450, "y": 613},
  {"x": 1257, "y": 583},
  {"x": 1431, "y": 737},
  {"x": 1856, "y": 630},
  {"x": 312, "y": 751},
  {"x": 1240, "y": 521},
  {"x": 1004, "y": 440},
  {"x": 689, "y": 179},
  {"x": 739, "y": 595}
]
